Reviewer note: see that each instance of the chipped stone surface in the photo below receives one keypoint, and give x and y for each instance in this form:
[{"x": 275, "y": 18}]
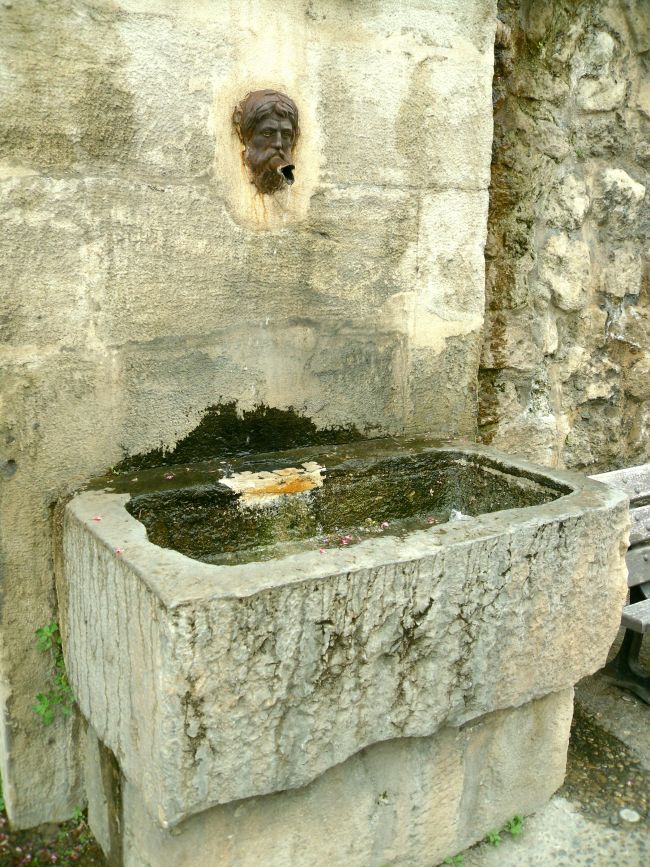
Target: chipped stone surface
[
  {"x": 566, "y": 269},
  {"x": 623, "y": 272},
  {"x": 267, "y": 487},
  {"x": 539, "y": 432},
  {"x": 637, "y": 380},
  {"x": 214, "y": 683},
  {"x": 600, "y": 94},
  {"x": 568, "y": 203},
  {"x": 619, "y": 196},
  {"x": 595, "y": 54}
]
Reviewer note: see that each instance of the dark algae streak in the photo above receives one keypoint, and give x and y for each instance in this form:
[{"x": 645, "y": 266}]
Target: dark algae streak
[{"x": 223, "y": 431}]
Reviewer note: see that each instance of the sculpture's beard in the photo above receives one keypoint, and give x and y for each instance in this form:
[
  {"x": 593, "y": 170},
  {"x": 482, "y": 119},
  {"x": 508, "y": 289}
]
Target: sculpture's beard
[{"x": 264, "y": 165}]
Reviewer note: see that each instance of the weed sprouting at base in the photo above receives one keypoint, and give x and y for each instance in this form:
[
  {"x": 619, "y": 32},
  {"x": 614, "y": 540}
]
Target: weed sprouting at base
[{"x": 59, "y": 698}]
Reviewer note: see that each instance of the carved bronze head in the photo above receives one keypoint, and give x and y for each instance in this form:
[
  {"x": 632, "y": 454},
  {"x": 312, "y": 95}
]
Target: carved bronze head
[{"x": 267, "y": 124}]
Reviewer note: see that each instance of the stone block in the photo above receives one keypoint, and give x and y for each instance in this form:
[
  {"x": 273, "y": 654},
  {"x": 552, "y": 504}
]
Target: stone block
[
  {"x": 596, "y": 437},
  {"x": 407, "y": 801},
  {"x": 565, "y": 269},
  {"x": 452, "y": 408},
  {"x": 421, "y": 143},
  {"x": 65, "y": 103},
  {"x": 638, "y": 20},
  {"x": 350, "y": 377},
  {"x": 212, "y": 683},
  {"x": 369, "y": 273},
  {"x": 568, "y": 203},
  {"x": 637, "y": 378},
  {"x": 618, "y": 198},
  {"x": 530, "y": 433},
  {"x": 595, "y": 54},
  {"x": 623, "y": 273},
  {"x": 450, "y": 265},
  {"x": 632, "y": 326},
  {"x": 383, "y": 78},
  {"x": 345, "y": 262},
  {"x": 600, "y": 94}
]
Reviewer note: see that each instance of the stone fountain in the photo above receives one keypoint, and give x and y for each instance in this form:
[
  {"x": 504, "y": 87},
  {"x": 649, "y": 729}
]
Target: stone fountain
[
  {"x": 365, "y": 652},
  {"x": 355, "y": 654}
]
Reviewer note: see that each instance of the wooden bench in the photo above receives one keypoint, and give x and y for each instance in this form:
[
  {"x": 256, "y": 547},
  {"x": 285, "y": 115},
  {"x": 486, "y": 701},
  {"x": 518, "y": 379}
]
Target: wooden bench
[{"x": 624, "y": 669}]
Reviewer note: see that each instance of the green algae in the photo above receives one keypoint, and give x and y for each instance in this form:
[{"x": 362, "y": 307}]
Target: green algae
[{"x": 366, "y": 492}]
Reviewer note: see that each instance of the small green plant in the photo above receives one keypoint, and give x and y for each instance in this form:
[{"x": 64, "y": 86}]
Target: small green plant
[
  {"x": 455, "y": 859},
  {"x": 59, "y": 697},
  {"x": 514, "y": 827}
]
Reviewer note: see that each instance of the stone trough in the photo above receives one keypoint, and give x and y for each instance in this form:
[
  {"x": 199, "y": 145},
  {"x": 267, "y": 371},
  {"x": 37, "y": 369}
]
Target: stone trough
[{"x": 356, "y": 656}]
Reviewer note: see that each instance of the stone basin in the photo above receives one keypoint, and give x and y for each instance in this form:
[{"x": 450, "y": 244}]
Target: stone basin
[
  {"x": 269, "y": 506},
  {"x": 320, "y": 602}
]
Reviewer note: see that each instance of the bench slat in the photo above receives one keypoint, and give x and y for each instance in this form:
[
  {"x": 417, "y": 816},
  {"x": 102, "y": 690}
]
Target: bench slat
[
  {"x": 638, "y": 565},
  {"x": 639, "y": 525},
  {"x": 637, "y": 616},
  {"x": 635, "y": 481}
]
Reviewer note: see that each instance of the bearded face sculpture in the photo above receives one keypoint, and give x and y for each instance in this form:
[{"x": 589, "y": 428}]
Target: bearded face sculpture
[{"x": 267, "y": 124}]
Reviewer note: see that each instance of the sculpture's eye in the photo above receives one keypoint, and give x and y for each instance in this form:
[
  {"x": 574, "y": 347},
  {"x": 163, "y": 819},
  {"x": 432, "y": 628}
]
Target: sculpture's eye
[{"x": 267, "y": 133}]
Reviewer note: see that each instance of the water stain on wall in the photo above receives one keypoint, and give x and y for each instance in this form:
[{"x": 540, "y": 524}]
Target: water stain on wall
[{"x": 224, "y": 430}]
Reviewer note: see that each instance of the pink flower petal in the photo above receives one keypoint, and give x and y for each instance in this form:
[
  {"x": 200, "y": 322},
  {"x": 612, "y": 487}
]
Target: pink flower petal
[
  {"x": 168, "y": 476},
  {"x": 118, "y": 551},
  {"x": 383, "y": 525},
  {"x": 431, "y": 520},
  {"x": 97, "y": 518},
  {"x": 321, "y": 550}
]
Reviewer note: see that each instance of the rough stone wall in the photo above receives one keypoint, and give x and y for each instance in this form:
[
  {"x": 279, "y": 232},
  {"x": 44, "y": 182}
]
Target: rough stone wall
[
  {"x": 142, "y": 280},
  {"x": 565, "y": 369}
]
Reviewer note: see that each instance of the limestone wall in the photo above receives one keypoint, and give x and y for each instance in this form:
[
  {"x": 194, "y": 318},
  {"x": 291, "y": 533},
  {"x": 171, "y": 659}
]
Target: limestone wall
[
  {"x": 142, "y": 280},
  {"x": 565, "y": 377}
]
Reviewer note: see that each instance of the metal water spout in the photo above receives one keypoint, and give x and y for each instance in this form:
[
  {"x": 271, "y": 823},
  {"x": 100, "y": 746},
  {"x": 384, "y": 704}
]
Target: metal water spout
[{"x": 287, "y": 173}]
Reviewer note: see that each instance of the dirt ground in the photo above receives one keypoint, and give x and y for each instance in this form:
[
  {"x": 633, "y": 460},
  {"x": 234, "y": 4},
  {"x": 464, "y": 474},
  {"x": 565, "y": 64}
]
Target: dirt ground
[{"x": 66, "y": 844}]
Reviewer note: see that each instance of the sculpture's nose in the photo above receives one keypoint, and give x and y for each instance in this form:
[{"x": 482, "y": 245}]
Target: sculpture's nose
[{"x": 277, "y": 140}]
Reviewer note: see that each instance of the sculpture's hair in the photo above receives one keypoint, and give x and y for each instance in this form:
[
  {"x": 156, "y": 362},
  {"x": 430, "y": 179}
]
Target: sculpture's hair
[{"x": 257, "y": 105}]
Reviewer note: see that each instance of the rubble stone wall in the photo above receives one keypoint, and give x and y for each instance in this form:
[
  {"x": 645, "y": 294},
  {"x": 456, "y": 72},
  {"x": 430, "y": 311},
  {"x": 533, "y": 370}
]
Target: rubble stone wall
[{"x": 565, "y": 368}]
